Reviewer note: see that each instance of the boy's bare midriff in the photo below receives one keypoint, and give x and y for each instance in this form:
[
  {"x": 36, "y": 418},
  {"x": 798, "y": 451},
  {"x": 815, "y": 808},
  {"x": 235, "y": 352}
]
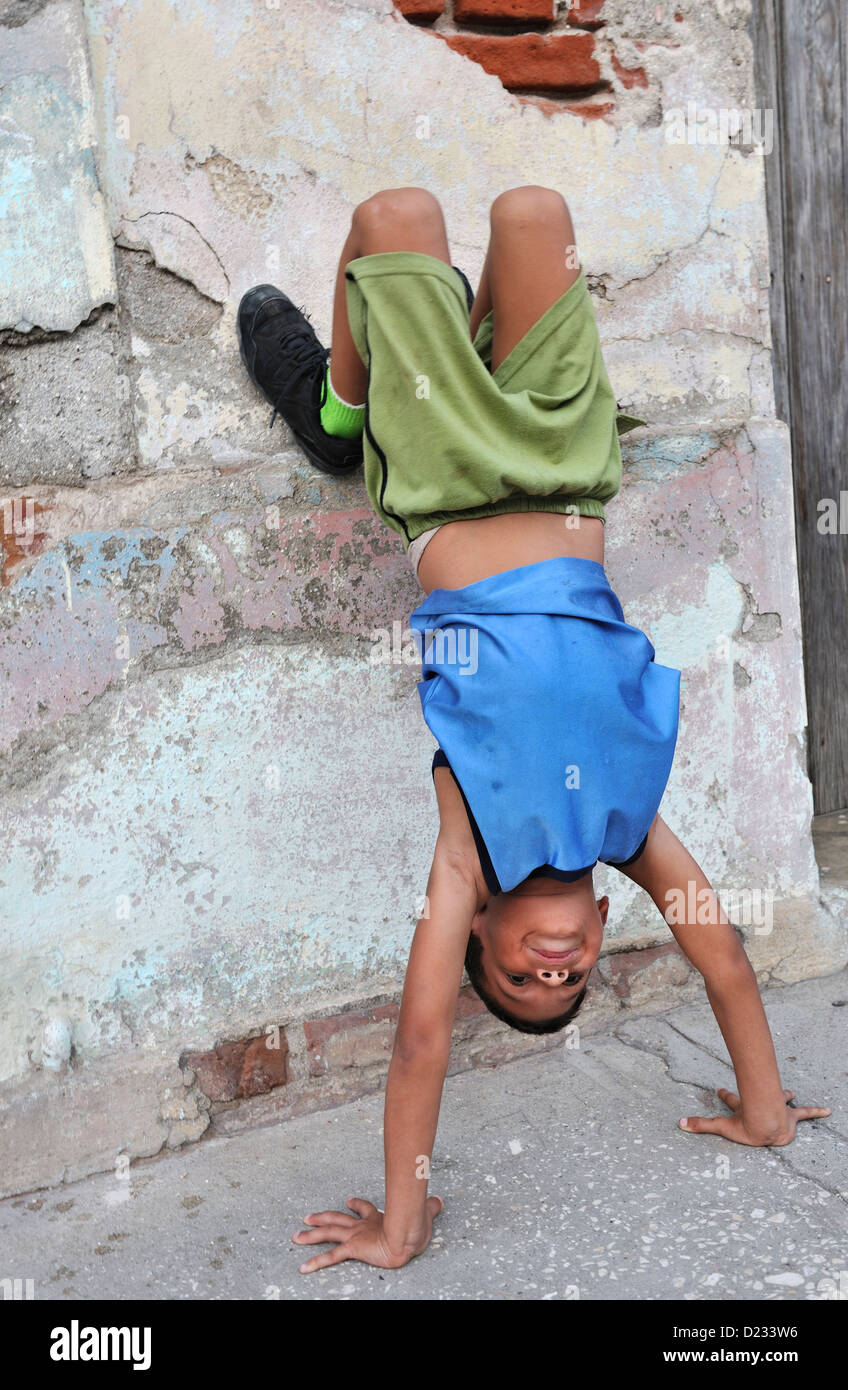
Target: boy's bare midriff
[{"x": 462, "y": 552}]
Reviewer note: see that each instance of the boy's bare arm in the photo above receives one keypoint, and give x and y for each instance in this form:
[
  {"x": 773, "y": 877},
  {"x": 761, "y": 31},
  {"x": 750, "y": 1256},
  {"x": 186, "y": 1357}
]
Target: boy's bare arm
[
  {"x": 422, "y": 1046},
  {"x": 416, "y": 1076},
  {"x": 676, "y": 883}
]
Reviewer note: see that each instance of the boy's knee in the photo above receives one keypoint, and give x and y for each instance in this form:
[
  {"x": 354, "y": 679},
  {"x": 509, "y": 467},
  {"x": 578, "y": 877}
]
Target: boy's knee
[
  {"x": 530, "y": 202},
  {"x": 397, "y": 207}
]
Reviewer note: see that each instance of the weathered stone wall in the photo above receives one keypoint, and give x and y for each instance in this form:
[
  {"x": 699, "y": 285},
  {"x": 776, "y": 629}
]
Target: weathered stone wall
[{"x": 216, "y": 811}]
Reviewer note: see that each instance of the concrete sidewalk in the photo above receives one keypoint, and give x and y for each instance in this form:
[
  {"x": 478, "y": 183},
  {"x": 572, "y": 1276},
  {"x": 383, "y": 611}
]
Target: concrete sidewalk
[{"x": 564, "y": 1176}]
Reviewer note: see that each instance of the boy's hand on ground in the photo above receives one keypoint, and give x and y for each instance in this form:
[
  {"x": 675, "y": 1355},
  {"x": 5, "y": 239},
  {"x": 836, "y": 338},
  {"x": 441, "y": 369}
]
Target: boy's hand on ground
[
  {"x": 775, "y": 1132},
  {"x": 362, "y": 1237}
]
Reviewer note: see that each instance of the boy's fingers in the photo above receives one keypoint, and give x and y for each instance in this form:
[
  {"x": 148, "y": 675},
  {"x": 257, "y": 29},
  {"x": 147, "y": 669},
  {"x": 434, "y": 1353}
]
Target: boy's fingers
[
  {"x": 702, "y": 1124},
  {"x": 730, "y": 1098},
  {"x": 788, "y": 1095},
  {"x": 363, "y": 1208},
  {"x": 321, "y": 1235},
  {"x": 812, "y": 1112},
  {"x": 435, "y": 1206},
  {"x": 330, "y": 1257},
  {"x": 323, "y": 1218}
]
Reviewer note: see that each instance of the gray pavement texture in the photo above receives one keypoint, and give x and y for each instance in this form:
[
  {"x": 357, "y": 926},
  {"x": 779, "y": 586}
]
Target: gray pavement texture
[{"x": 564, "y": 1177}]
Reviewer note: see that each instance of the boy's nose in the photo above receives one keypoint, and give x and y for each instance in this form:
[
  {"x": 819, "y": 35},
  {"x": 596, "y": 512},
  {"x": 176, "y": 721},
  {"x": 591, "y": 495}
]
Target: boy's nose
[{"x": 552, "y": 977}]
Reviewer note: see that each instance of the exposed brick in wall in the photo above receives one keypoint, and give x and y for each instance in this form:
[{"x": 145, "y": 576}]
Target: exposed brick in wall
[
  {"x": 629, "y": 77},
  {"x": 325, "y": 1061},
  {"x": 421, "y": 11},
  {"x": 504, "y": 11},
  {"x": 553, "y": 63},
  {"x": 637, "y": 976},
  {"x": 351, "y": 1039},
  {"x": 585, "y": 13},
  {"x": 557, "y": 57},
  {"x": 239, "y": 1070}
]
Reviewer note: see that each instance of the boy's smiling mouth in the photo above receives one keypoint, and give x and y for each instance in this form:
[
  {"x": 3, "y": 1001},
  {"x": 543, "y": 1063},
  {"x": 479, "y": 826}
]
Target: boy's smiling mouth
[{"x": 557, "y": 956}]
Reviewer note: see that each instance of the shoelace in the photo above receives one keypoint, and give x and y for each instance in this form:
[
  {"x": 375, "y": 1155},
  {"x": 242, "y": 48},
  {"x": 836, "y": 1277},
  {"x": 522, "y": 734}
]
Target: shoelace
[{"x": 304, "y": 353}]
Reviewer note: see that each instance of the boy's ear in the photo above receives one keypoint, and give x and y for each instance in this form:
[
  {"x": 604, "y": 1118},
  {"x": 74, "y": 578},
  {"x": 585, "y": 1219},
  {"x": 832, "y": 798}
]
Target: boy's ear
[{"x": 603, "y": 908}]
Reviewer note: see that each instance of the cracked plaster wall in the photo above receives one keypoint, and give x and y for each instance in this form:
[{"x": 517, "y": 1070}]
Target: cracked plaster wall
[{"x": 200, "y": 838}]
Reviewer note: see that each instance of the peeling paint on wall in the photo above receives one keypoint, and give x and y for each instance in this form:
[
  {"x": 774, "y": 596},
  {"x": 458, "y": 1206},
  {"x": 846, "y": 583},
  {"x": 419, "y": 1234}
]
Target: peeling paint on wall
[
  {"x": 218, "y": 809},
  {"x": 56, "y": 253}
]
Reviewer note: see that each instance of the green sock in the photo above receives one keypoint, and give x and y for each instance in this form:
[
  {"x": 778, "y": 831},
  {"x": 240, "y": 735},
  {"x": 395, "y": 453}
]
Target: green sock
[{"x": 340, "y": 419}]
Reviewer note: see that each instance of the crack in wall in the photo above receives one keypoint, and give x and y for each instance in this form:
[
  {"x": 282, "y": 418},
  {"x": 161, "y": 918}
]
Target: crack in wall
[
  {"x": 698, "y": 334},
  {"x": 180, "y": 274},
  {"x": 663, "y": 259},
  {"x": 167, "y": 274},
  {"x": 14, "y": 338}
]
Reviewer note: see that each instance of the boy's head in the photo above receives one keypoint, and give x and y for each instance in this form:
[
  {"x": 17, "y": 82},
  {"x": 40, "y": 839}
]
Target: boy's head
[{"x": 530, "y": 951}]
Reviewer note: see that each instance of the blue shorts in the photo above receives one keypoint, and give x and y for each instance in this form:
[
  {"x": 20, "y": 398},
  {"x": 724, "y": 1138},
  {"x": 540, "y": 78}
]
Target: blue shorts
[{"x": 554, "y": 717}]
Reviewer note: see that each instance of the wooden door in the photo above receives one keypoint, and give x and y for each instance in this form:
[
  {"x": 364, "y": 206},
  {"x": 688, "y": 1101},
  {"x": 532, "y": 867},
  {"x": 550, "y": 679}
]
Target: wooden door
[{"x": 801, "y": 56}]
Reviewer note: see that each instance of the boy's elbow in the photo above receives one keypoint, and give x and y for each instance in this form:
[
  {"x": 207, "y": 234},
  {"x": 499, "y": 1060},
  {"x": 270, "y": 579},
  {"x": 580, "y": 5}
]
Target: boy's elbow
[
  {"x": 730, "y": 971},
  {"x": 421, "y": 1052},
  {"x": 458, "y": 861}
]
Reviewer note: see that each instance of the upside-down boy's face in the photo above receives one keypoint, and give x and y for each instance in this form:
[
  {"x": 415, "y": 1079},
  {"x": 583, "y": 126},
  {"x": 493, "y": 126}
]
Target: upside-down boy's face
[{"x": 539, "y": 943}]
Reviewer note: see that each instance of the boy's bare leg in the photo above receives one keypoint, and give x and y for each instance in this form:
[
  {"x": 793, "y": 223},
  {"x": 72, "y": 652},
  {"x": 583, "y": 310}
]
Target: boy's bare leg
[
  {"x": 396, "y": 219},
  {"x": 530, "y": 263},
  {"x": 483, "y": 298}
]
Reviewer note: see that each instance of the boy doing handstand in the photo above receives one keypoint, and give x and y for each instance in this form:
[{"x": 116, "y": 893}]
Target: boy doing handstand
[{"x": 489, "y": 435}]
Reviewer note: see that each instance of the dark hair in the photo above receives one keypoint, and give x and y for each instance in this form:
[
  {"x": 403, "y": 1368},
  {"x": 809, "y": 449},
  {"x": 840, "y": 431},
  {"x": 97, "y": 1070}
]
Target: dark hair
[{"x": 474, "y": 966}]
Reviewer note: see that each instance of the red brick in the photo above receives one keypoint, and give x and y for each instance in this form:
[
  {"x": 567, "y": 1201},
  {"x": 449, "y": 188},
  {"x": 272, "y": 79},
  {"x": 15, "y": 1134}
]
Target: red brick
[
  {"x": 237, "y": 1070},
  {"x": 629, "y": 77},
  {"x": 548, "y": 63},
  {"x": 420, "y": 11},
  {"x": 624, "y": 965},
  {"x": 584, "y": 13},
  {"x": 590, "y": 111},
  {"x": 503, "y": 11},
  {"x": 355, "y": 1039}
]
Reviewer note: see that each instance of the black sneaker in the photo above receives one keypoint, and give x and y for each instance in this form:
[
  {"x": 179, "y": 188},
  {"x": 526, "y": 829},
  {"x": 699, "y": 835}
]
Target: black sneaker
[{"x": 283, "y": 357}]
